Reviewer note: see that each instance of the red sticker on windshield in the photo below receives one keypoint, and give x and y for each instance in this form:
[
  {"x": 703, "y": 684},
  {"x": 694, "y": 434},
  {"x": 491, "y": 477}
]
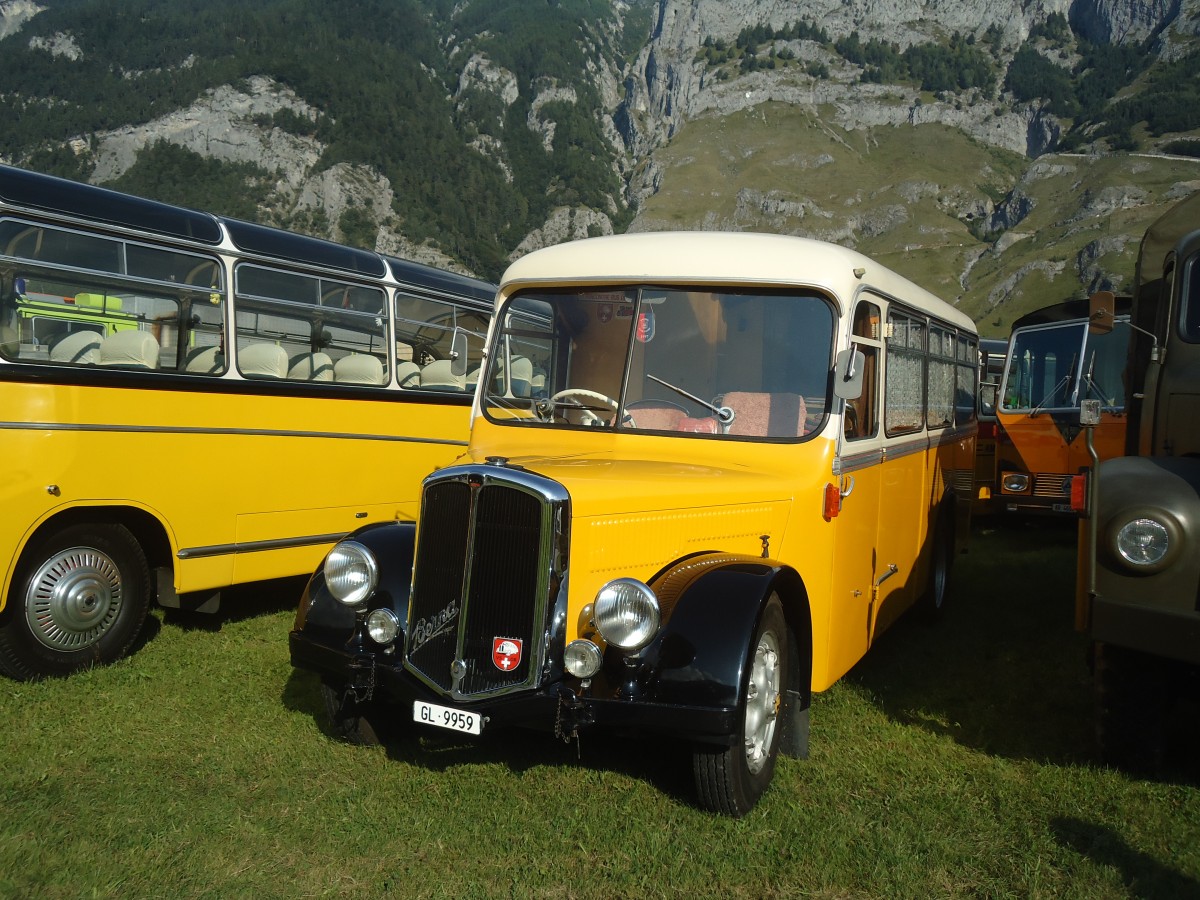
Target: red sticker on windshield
[{"x": 645, "y": 326}]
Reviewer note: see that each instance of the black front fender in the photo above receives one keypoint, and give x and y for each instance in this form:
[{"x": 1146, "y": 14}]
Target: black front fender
[
  {"x": 322, "y": 619},
  {"x": 711, "y": 607}
]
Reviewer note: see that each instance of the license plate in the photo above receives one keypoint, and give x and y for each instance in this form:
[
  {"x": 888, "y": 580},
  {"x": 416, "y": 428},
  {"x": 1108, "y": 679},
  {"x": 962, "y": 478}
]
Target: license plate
[{"x": 445, "y": 717}]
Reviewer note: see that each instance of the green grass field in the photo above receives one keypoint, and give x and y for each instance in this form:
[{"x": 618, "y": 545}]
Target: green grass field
[{"x": 954, "y": 761}]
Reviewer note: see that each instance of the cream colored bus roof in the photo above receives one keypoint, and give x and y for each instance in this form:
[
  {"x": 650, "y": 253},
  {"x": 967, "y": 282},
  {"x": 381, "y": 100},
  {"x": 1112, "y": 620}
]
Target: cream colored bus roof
[{"x": 713, "y": 257}]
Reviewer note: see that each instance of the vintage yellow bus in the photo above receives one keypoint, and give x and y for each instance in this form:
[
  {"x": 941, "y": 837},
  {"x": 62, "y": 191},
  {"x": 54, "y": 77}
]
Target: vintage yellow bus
[
  {"x": 182, "y": 394},
  {"x": 1054, "y": 364},
  {"x": 706, "y": 471}
]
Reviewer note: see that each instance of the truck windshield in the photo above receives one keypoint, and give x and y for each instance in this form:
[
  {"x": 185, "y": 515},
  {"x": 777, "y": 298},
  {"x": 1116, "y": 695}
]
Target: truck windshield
[
  {"x": 696, "y": 362},
  {"x": 1055, "y": 366}
]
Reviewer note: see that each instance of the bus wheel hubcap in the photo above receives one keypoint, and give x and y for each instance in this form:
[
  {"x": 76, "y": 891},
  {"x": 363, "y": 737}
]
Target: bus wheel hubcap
[
  {"x": 763, "y": 698},
  {"x": 73, "y": 599}
]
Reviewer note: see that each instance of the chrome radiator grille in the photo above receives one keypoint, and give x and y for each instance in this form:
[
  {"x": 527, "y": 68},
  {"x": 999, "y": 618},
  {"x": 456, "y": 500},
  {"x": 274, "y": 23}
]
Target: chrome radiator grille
[
  {"x": 481, "y": 579},
  {"x": 1051, "y": 485}
]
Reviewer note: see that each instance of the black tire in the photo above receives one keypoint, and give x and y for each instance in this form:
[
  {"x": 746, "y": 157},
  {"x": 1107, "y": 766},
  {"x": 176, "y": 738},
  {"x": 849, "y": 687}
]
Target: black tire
[
  {"x": 730, "y": 780},
  {"x": 933, "y": 600},
  {"x": 367, "y": 724},
  {"x": 1132, "y": 697},
  {"x": 80, "y": 599}
]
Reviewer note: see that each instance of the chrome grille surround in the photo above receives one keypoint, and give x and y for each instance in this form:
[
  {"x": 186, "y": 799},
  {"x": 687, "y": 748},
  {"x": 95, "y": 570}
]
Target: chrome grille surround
[{"x": 491, "y": 555}]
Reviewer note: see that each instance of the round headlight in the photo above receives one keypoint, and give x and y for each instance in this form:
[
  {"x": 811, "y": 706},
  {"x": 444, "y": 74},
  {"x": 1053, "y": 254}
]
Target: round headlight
[
  {"x": 582, "y": 658},
  {"x": 351, "y": 573},
  {"x": 626, "y": 614},
  {"x": 1015, "y": 482},
  {"x": 382, "y": 626},
  {"x": 1143, "y": 542}
]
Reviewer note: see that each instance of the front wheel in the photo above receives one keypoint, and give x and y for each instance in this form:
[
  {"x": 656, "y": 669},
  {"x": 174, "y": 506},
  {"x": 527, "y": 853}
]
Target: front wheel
[
  {"x": 366, "y": 723},
  {"x": 730, "y": 780},
  {"x": 80, "y": 599}
]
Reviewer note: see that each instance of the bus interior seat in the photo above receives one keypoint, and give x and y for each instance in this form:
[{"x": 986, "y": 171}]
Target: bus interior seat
[
  {"x": 204, "y": 361},
  {"x": 310, "y": 367},
  {"x": 132, "y": 348},
  {"x": 358, "y": 368},
  {"x": 649, "y": 415},
  {"x": 759, "y": 414},
  {"x": 81, "y": 348},
  {"x": 439, "y": 377},
  {"x": 521, "y": 376},
  {"x": 473, "y": 377},
  {"x": 263, "y": 361},
  {"x": 408, "y": 373}
]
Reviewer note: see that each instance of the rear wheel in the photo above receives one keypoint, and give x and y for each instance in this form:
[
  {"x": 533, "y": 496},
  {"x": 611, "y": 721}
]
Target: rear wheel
[
  {"x": 80, "y": 599},
  {"x": 933, "y": 601},
  {"x": 730, "y": 780}
]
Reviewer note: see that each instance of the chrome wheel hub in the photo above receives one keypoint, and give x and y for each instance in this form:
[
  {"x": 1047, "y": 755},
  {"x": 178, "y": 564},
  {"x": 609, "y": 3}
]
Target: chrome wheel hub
[
  {"x": 763, "y": 700},
  {"x": 73, "y": 599}
]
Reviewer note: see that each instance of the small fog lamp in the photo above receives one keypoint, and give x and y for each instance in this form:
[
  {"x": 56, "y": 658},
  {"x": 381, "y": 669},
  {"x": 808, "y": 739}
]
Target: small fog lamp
[
  {"x": 582, "y": 658},
  {"x": 626, "y": 614},
  {"x": 351, "y": 573},
  {"x": 1143, "y": 542},
  {"x": 382, "y": 626}
]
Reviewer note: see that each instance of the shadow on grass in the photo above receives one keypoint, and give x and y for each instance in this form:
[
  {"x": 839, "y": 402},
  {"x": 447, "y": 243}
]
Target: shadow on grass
[
  {"x": 1003, "y": 670},
  {"x": 662, "y": 763},
  {"x": 241, "y": 602},
  {"x": 1144, "y": 876}
]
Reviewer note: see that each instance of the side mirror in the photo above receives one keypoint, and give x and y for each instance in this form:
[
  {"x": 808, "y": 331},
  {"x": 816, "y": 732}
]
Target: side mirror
[
  {"x": 458, "y": 353},
  {"x": 848, "y": 374},
  {"x": 1102, "y": 311},
  {"x": 987, "y": 399}
]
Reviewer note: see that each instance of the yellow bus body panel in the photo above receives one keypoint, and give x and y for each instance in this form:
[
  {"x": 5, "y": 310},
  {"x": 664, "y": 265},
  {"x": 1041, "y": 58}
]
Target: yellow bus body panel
[
  {"x": 640, "y": 503},
  {"x": 220, "y": 471}
]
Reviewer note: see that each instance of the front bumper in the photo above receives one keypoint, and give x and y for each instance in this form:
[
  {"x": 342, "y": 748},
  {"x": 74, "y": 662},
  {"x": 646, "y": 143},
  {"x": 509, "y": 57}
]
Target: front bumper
[
  {"x": 554, "y": 706},
  {"x": 1172, "y": 633}
]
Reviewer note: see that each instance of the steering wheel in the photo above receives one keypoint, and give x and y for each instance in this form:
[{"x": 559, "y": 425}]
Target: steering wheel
[{"x": 587, "y": 416}]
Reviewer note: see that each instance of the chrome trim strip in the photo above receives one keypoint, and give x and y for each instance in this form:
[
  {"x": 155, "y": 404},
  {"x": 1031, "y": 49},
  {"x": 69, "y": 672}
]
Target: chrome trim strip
[
  {"x": 259, "y": 546},
  {"x": 249, "y": 432}
]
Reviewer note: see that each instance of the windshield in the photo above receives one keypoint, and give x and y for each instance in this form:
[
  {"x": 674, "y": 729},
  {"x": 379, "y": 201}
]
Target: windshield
[
  {"x": 694, "y": 362},
  {"x": 1056, "y": 366}
]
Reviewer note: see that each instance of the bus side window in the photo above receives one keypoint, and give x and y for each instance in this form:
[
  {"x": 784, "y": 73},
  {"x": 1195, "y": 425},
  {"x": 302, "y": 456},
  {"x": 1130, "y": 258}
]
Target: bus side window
[{"x": 860, "y": 419}]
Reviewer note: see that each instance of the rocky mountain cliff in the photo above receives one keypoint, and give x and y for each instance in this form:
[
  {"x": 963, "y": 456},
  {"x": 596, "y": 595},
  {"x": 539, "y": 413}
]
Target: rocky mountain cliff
[{"x": 790, "y": 115}]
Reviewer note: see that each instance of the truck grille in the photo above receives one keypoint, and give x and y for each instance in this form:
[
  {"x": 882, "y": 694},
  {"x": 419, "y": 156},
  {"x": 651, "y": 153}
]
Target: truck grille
[
  {"x": 483, "y": 576},
  {"x": 1051, "y": 485}
]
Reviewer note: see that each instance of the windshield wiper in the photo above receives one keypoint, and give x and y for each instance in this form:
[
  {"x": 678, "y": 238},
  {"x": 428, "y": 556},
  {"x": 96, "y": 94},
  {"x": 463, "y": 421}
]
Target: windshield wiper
[{"x": 723, "y": 413}]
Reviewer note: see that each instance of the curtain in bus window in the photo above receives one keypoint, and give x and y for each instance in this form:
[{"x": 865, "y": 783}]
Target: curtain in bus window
[
  {"x": 942, "y": 380},
  {"x": 904, "y": 398},
  {"x": 964, "y": 393}
]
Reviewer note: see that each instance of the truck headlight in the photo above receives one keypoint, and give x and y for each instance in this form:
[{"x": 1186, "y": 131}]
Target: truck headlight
[
  {"x": 1015, "y": 482},
  {"x": 1143, "y": 542},
  {"x": 351, "y": 573},
  {"x": 626, "y": 614}
]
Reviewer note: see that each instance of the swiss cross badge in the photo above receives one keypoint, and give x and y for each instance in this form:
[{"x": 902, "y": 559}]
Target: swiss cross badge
[{"x": 506, "y": 653}]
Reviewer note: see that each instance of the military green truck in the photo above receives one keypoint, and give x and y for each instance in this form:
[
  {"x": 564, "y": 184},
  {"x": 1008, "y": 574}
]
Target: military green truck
[{"x": 1138, "y": 594}]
